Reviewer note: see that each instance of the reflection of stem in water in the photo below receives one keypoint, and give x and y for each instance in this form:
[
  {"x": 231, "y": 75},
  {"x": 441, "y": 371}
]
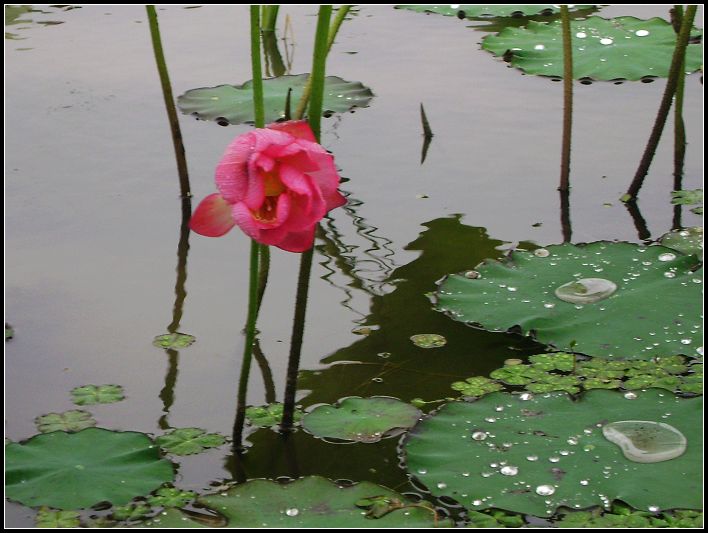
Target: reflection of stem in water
[
  {"x": 268, "y": 382},
  {"x": 677, "y": 62},
  {"x": 274, "y": 65},
  {"x": 289, "y": 47},
  {"x": 169, "y": 102},
  {"x": 567, "y": 101},
  {"x": 565, "y": 215},
  {"x": 427, "y": 134},
  {"x": 167, "y": 392},
  {"x": 638, "y": 219}
]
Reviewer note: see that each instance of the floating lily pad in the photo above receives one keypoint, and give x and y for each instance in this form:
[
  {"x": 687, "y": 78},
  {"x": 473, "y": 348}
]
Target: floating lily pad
[
  {"x": 96, "y": 394},
  {"x": 686, "y": 240},
  {"x": 233, "y": 104},
  {"x": 694, "y": 197},
  {"x": 492, "y": 10},
  {"x": 70, "y": 421},
  {"x": 174, "y": 341},
  {"x": 56, "y": 519},
  {"x": 429, "y": 340},
  {"x": 361, "y": 419},
  {"x": 476, "y": 386},
  {"x": 623, "y": 517},
  {"x": 532, "y": 456},
  {"x": 132, "y": 511},
  {"x": 171, "y": 497},
  {"x": 620, "y": 48},
  {"x": 77, "y": 470},
  {"x": 313, "y": 502},
  {"x": 188, "y": 441},
  {"x": 655, "y": 310},
  {"x": 269, "y": 415}
]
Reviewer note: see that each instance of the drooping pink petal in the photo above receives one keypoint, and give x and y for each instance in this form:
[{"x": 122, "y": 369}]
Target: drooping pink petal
[
  {"x": 212, "y": 217},
  {"x": 299, "y": 129}
]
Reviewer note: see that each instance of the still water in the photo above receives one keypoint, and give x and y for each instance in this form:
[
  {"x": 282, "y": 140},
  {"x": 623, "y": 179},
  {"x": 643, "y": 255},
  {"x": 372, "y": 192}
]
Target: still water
[{"x": 93, "y": 218}]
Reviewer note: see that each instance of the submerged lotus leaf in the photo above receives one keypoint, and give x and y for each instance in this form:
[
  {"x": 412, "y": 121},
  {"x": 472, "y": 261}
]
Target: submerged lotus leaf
[
  {"x": 77, "y": 470},
  {"x": 547, "y": 451},
  {"x": 620, "y": 48},
  {"x": 656, "y": 309},
  {"x": 96, "y": 394},
  {"x": 233, "y": 104},
  {"x": 687, "y": 240},
  {"x": 188, "y": 441},
  {"x": 174, "y": 341},
  {"x": 645, "y": 441},
  {"x": 361, "y": 419},
  {"x": 491, "y": 10},
  {"x": 315, "y": 502},
  {"x": 57, "y": 519},
  {"x": 75, "y": 420}
]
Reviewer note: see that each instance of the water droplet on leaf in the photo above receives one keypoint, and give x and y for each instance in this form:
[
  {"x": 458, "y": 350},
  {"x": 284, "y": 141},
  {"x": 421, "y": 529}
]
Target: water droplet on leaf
[
  {"x": 645, "y": 441},
  {"x": 585, "y": 291}
]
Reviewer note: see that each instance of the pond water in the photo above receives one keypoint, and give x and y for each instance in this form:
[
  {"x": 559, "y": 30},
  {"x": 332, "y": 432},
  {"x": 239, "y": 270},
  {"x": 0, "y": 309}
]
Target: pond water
[{"x": 93, "y": 219}]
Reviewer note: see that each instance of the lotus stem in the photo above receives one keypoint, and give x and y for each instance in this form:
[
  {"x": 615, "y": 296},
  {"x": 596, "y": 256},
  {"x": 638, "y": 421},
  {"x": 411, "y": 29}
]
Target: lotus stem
[{"x": 567, "y": 99}]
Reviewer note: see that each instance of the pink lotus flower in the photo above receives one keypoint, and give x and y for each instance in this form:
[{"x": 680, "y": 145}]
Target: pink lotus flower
[{"x": 276, "y": 184}]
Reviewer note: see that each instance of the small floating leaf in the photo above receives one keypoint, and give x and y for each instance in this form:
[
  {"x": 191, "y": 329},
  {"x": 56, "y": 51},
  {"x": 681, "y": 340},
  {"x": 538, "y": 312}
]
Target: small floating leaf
[
  {"x": 644, "y": 441},
  {"x": 70, "y": 421},
  {"x": 687, "y": 197},
  {"x": 188, "y": 441},
  {"x": 96, "y": 394},
  {"x": 132, "y": 511},
  {"x": 620, "y": 48},
  {"x": 233, "y": 104},
  {"x": 269, "y": 415},
  {"x": 77, "y": 470},
  {"x": 171, "y": 497},
  {"x": 361, "y": 419},
  {"x": 476, "y": 386},
  {"x": 174, "y": 341},
  {"x": 56, "y": 519},
  {"x": 429, "y": 340}
]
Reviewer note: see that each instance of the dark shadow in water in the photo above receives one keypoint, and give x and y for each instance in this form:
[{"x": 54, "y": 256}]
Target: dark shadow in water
[
  {"x": 386, "y": 361},
  {"x": 497, "y": 24},
  {"x": 167, "y": 394},
  {"x": 639, "y": 222},
  {"x": 427, "y": 134}
]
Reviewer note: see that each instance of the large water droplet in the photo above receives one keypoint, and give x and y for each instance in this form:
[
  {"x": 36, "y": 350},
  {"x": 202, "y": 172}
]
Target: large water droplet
[
  {"x": 581, "y": 35},
  {"x": 641, "y": 33},
  {"x": 606, "y": 40},
  {"x": 545, "y": 490},
  {"x": 479, "y": 435},
  {"x": 644, "y": 441},
  {"x": 586, "y": 291},
  {"x": 541, "y": 252},
  {"x": 539, "y": 47},
  {"x": 292, "y": 512},
  {"x": 509, "y": 470},
  {"x": 667, "y": 257}
]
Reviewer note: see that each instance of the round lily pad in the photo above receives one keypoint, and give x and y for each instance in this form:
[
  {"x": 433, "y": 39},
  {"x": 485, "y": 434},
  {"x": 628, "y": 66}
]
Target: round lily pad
[
  {"x": 686, "y": 240},
  {"x": 75, "y": 420},
  {"x": 77, "y": 470},
  {"x": 96, "y": 394},
  {"x": 491, "y": 10},
  {"x": 188, "y": 441},
  {"x": 655, "y": 310},
  {"x": 361, "y": 419},
  {"x": 603, "y": 49},
  {"x": 535, "y": 453},
  {"x": 233, "y": 104}
]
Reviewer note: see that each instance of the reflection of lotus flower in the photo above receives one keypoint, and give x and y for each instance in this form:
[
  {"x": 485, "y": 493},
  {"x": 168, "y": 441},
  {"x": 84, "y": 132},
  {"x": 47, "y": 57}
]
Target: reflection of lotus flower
[{"x": 276, "y": 184}]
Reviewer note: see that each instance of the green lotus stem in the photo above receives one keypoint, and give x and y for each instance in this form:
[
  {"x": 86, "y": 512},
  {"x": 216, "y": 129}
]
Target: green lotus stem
[
  {"x": 679, "y": 127},
  {"x": 303, "y": 285},
  {"x": 258, "y": 109},
  {"x": 676, "y": 66},
  {"x": 263, "y": 270},
  {"x": 185, "y": 189},
  {"x": 333, "y": 30},
  {"x": 567, "y": 99}
]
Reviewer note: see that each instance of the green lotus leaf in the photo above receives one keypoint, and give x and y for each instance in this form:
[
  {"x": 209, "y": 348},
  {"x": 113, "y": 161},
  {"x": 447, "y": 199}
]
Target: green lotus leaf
[
  {"x": 687, "y": 240},
  {"x": 132, "y": 511},
  {"x": 653, "y": 307},
  {"x": 494, "y": 519},
  {"x": 361, "y": 419},
  {"x": 314, "y": 502},
  {"x": 174, "y": 341},
  {"x": 597, "y": 383},
  {"x": 687, "y": 197},
  {"x": 533, "y": 455},
  {"x": 517, "y": 374},
  {"x": 554, "y": 361},
  {"x": 70, "y": 421},
  {"x": 269, "y": 415},
  {"x": 96, "y": 394},
  {"x": 603, "y": 49},
  {"x": 233, "y": 104},
  {"x": 492, "y": 10},
  {"x": 56, "y": 519},
  {"x": 188, "y": 441},
  {"x": 77, "y": 470},
  {"x": 476, "y": 386},
  {"x": 171, "y": 497}
]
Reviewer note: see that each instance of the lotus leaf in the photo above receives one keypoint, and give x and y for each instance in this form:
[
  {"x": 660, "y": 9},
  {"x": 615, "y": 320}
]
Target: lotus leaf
[
  {"x": 687, "y": 240},
  {"x": 233, "y": 104},
  {"x": 655, "y": 309},
  {"x": 95, "y": 394},
  {"x": 533, "y": 455},
  {"x": 620, "y": 48},
  {"x": 476, "y": 386},
  {"x": 171, "y": 497},
  {"x": 188, "y": 441},
  {"x": 174, "y": 341},
  {"x": 132, "y": 511},
  {"x": 77, "y": 470},
  {"x": 361, "y": 419},
  {"x": 67, "y": 421},
  {"x": 56, "y": 519}
]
